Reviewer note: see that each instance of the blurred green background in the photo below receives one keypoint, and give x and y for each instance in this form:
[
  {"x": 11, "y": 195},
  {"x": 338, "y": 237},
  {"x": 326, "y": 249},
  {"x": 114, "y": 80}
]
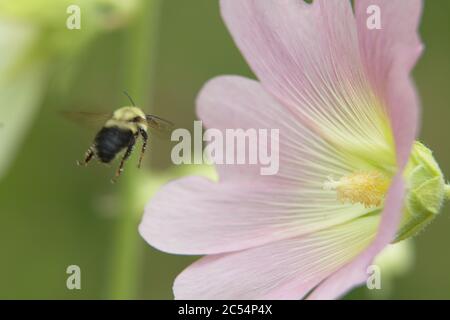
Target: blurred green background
[{"x": 54, "y": 214}]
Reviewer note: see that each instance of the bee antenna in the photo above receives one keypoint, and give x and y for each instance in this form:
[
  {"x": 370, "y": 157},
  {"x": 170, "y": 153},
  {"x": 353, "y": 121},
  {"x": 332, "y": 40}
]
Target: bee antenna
[{"x": 129, "y": 97}]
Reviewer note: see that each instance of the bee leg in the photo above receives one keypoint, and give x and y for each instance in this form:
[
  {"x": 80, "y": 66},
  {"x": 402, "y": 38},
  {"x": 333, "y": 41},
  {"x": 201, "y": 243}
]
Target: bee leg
[
  {"x": 124, "y": 158},
  {"x": 144, "y": 146},
  {"x": 88, "y": 157}
]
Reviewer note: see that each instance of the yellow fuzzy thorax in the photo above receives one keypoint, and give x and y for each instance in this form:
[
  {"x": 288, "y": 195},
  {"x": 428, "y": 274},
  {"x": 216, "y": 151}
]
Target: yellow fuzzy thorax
[
  {"x": 366, "y": 187},
  {"x": 128, "y": 114},
  {"x": 123, "y": 118}
]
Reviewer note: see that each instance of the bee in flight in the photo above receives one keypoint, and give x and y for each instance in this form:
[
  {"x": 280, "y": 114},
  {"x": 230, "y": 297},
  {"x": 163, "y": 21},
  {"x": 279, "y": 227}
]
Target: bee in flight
[{"x": 120, "y": 131}]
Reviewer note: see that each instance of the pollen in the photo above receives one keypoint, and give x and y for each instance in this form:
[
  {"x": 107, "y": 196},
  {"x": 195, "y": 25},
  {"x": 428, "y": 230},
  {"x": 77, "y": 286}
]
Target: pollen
[{"x": 366, "y": 187}]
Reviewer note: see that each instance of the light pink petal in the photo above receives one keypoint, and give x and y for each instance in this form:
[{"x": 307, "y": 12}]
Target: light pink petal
[
  {"x": 287, "y": 269},
  {"x": 355, "y": 273},
  {"x": 307, "y": 56},
  {"x": 233, "y": 102},
  {"x": 198, "y": 216},
  {"x": 389, "y": 55}
]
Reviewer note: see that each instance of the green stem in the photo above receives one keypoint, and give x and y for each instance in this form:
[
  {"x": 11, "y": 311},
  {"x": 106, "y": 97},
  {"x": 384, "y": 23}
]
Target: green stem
[{"x": 139, "y": 69}]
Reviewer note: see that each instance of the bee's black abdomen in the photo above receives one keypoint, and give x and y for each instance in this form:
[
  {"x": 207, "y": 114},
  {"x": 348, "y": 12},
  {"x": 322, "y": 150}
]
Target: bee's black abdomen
[{"x": 110, "y": 141}]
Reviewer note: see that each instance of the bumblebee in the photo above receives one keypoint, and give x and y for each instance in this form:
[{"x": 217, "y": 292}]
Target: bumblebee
[{"x": 121, "y": 130}]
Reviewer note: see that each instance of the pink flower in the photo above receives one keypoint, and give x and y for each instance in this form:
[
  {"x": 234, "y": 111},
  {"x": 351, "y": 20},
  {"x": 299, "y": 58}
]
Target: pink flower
[{"x": 347, "y": 111}]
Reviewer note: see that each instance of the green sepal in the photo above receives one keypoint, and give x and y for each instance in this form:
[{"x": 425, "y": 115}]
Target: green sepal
[{"x": 426, "y": 191}]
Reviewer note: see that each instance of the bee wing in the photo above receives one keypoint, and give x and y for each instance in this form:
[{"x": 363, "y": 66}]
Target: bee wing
[
  {"x": 159, "y": 126},
  {"x": 88, "y": 119}
]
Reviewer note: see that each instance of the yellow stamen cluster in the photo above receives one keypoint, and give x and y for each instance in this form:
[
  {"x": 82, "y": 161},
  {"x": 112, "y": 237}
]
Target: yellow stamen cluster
[{"x": 367, "y": 187}]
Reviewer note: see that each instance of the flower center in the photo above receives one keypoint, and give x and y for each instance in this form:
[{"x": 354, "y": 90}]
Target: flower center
[{"x": 366, "y": 187}]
